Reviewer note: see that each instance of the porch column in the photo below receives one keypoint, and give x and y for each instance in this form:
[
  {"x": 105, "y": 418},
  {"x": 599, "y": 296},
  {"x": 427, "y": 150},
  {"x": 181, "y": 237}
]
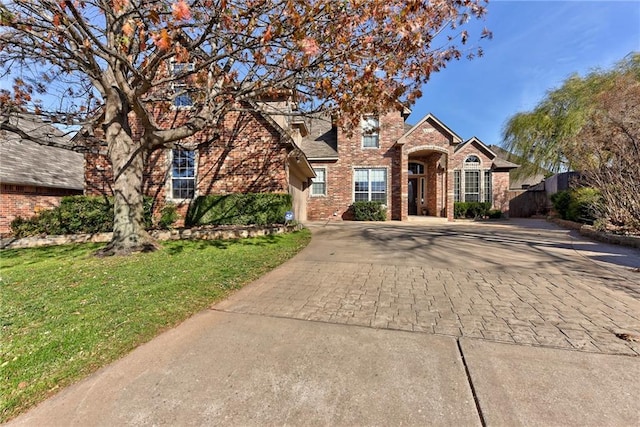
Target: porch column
[
  {"x": 400, "y": 187},
  {"x": 449, "y": 185}
]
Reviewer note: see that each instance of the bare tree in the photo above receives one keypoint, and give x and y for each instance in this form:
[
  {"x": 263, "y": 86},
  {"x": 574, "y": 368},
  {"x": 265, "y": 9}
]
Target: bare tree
[
  {"x": 105, "y": 60},
  {"x": 608, "y": 148}
]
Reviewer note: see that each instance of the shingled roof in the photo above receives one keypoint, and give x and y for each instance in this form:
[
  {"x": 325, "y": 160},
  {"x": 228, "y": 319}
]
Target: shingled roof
[
  {"x": 322, "y": 141},
  {"x": 25, "y": 162}
]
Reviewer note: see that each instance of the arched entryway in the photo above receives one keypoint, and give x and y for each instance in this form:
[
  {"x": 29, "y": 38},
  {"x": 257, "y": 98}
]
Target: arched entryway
[{"x": 427, "y": 182}]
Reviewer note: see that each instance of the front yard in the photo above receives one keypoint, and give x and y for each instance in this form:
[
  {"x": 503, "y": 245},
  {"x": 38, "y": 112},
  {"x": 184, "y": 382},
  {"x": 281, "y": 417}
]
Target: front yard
[{"x": 66, "y": 313}]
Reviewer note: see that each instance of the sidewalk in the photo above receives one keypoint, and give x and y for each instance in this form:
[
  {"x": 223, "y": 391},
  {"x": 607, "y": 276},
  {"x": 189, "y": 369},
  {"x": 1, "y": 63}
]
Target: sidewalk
[{"x": 394, "y": 324}]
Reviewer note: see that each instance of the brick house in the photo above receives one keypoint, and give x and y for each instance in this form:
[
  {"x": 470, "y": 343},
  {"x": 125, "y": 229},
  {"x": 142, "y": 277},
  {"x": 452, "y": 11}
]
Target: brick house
[
  {"x": 265, "y": 146},
  {"x": 250, "y": 153},
  {"x": 34, "y": 176},
  {"x": 414, "y": 170}
]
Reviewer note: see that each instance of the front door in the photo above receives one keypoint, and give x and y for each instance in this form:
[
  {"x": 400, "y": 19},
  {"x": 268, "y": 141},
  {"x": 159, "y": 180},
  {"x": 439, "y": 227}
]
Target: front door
[{"x": 413, "y": 196}]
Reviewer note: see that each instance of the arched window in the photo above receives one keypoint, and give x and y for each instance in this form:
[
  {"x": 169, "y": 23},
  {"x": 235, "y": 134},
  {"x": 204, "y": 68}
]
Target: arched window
[
  {"x": 472, "y": 162},
  {"x": 416, "y": 168}
]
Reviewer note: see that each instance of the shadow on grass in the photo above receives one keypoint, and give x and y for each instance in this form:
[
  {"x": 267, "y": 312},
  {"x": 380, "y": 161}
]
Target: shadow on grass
[
  {"x": 12, "y": 257},
  {"x": 178, "y": 246}
]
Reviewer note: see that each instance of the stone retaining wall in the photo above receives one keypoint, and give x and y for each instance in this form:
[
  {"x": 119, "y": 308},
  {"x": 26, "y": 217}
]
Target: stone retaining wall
[
  {"x": 200, "y": 233},
  {"x": 590, "y": 232}
]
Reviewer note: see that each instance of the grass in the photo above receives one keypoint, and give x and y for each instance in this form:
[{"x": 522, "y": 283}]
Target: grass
[{"x": 65, "y": 313}]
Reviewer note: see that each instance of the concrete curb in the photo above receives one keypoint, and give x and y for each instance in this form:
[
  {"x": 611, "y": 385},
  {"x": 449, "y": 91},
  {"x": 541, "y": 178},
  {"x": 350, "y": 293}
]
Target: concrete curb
[{"x": 199, "y": 233}]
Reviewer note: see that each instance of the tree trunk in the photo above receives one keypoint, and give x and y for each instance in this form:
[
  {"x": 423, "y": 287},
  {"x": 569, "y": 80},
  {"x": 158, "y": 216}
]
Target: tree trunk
[{"x": 127, "y": 160}]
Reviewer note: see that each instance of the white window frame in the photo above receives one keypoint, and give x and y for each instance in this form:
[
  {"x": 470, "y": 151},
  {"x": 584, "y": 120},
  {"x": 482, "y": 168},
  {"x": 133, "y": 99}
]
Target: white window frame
[
  {"x": 370, "y": 127},
  {"x": 194, "y": 178},
  {"x": 369, "y": 191},
  {"x": 485, "y": 193},
  {"x": 179, "y": 88},
  {"x": 316, "y": 180}
]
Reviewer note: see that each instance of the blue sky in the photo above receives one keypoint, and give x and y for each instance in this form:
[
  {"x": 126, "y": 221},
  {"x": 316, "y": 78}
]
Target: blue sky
[{"x": 536, "y": 45}]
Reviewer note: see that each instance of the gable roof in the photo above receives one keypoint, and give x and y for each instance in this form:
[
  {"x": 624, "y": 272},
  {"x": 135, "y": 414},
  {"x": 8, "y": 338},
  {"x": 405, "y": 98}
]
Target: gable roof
[
  {"x": 497, "y": 161},
  {"x": 26, "y": 162},
  {"x": 321, "y": 143},
  {"x": 435, "y": 122}
]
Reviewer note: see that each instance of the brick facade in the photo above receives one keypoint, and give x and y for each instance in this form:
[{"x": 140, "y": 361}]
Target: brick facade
[
  {"x": 499, "y": 177},
  {"x": 352, "y": 155},
  {"x": 26, "y": 201},
  {"x": 247, "y": 155},
  {"x": 431, "y": 144}
]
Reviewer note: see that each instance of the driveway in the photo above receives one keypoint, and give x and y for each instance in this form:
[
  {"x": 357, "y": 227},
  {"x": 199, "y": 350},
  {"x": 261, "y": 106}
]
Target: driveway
[
  {"x": 466, "y": 324},
  {"x": 522, "y": 281}
]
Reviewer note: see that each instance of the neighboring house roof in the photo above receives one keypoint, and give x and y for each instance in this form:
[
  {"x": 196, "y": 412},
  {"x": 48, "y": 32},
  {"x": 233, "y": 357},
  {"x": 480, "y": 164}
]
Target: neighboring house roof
[
  {"x": 322, "y": 141},
  {"x": 519, "y": 181},
  {"x": 498, "y": 163},
  {"x": 407, "y": 127},
  {"x": 26, "y": 162},
  {"x": 433, "y": 120}
]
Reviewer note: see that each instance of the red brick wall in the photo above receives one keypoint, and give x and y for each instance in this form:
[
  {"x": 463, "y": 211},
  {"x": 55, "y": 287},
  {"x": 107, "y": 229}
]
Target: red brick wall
[
  {"x": 26, "y": 201},
  {"x": 246, "y": 156},
  {"x": 501, "y": 195},
  {"x": 352, "y": 155},
  {"x": 427, "y": 143},
  {"x": 500, "y": 180}
]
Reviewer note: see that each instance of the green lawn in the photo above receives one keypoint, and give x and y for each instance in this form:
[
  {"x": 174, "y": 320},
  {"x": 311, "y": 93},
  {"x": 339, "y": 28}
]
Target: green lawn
[{"x": 65, "y": 313}]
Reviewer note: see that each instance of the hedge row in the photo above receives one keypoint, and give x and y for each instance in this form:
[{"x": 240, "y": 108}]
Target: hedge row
[
  {"x": 94, "y": 214},
  {"x": 74, "y": 215},
  {"x": 239, "y": 209},
  {"x": 472, "y": 210}
]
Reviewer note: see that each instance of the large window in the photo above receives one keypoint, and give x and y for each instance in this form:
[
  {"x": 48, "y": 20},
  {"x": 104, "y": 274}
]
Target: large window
[
  {"x": 488, "y": 194},
  {"x": 181, "y": 96},
  {"x": 183, "y": 174},
  {"x": 370, "y": 185},
  {"x": 472, "y": 183},
  {"x": 319, "y": 183},
  {"x": 370, "y": 132},
  {"x": 472, "y": 186}
]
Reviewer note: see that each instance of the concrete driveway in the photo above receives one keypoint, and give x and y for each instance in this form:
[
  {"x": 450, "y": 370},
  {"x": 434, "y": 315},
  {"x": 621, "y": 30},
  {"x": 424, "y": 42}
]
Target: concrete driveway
[{"x": 506, "y": 323}]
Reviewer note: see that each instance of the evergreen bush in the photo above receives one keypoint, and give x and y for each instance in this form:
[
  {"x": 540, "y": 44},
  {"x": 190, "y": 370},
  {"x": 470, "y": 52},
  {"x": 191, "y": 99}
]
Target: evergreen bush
[
  {"x": 471, "y": 209},
  {"x": 74, "y": 215},
  {"x": 239, "y": 209},
  {"x": 369, "y": 211}
]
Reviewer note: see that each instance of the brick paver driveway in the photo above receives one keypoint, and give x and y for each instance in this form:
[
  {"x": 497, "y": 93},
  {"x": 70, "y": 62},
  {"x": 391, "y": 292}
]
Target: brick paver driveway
[{"x": 522, "y": 281}]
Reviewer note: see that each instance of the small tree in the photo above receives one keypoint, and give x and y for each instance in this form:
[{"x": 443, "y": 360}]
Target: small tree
[{"x": 103, "y": 60}]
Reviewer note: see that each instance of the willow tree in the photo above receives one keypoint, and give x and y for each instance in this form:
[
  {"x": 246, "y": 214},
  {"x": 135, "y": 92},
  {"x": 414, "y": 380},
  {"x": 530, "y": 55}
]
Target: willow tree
[
  {"x": 590, "y": 124},
  {"x": 547, "y": 136},
  {"x": 100, "y": 60}
]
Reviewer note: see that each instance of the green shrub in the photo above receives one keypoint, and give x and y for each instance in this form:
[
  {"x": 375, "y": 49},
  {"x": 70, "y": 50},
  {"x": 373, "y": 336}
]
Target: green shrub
[
  {"x": 561, "y": 201},
  {"x": 579, "y": 204},
  {"x": 494, "y": 213},
  {"x": 74, "y": 215},
  {"x": 584, "y": 205},
  {"x": 471, "y": 209},
  {"x": 240, "y": 209},
  {"x": 369, "y": 211},
  {"x": 459, "y": 209},
  {"x": 168, "y": 215}
]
